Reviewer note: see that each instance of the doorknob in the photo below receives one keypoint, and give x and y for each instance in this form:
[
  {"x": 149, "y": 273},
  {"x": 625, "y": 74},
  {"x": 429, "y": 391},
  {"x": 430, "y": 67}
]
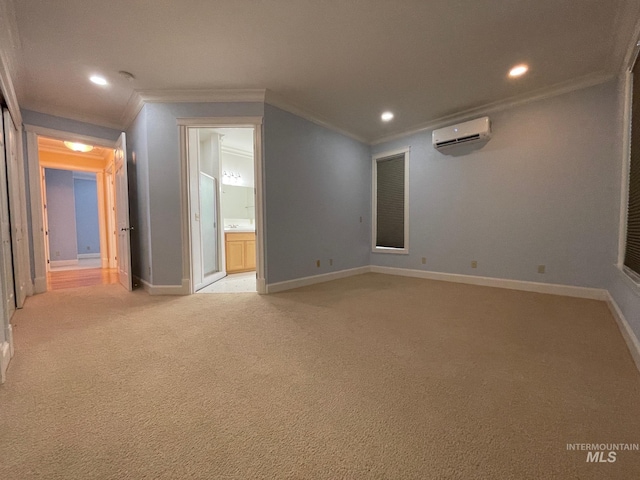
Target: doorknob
[{"x": 124, "y": 229}]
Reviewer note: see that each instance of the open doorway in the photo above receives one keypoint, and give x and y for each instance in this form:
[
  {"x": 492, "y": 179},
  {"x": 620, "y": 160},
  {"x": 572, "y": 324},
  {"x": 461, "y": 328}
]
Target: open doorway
[
  {"x": 77, "y": 192},
  {"x": 222, "y": 208}
]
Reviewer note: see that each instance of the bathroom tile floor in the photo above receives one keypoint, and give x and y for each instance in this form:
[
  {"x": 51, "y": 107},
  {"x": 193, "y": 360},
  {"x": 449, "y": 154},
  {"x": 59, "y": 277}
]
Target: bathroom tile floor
[{"x": 233, "y": 283}]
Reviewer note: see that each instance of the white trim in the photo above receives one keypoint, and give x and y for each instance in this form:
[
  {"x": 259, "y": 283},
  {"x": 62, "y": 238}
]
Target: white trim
[
  {"x": 63, "y": 135},
  {"x": 37, "y": 214},
  {"x": 202, "y": 95},
  {"x": 628, "y": 279},
  {"x": 63, "y": 263},
  {"x": 236, "y": 151},
  {"x": 131, "y": 110},
  {"x": 5, "y": 358},
  {"x": 6, "y": 353},
  {"x": 278, "y": 101},
  {"x": 39, "y": 285},
  {"x": 184, "y": 206},
  {"x": 261, "y": 286},
  {"x": 88, "y": 255},
  {"x": 312, "y": 280},
  {"x": 406, "y": 151},
  {"x": 35, "y": 193},
  {"x": 219, "y": 122},
  {"x": 9, "y": 331},
  {"x": 526, "y": 286},
  {"x": 224, "y": 122},
  {"x": 184, "y": 289},
  {"x": 541, "y": 94},
  {"x": 627, "y": 332},
  {"x": 626, "y": 166},
  {"x": 633, "y": 47}
]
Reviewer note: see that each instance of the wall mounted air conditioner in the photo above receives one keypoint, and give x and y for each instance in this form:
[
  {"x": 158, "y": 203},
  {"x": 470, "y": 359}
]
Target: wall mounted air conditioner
[{"x": 463, "y": 133}]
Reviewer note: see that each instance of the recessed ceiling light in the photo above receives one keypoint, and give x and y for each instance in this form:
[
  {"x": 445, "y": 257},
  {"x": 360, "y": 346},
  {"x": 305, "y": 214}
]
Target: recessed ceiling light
[
  {"x": 518, "y": 70},
  {"x": 78, "y": 147},
  {"x": 98, "y": 80},
  {"x": 386, "y": 116}
]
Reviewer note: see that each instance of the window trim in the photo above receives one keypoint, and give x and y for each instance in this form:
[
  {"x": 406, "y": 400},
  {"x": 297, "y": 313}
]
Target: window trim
[
  {"x": 630, "y": 276},
  {"x": 374, "y": 187}
]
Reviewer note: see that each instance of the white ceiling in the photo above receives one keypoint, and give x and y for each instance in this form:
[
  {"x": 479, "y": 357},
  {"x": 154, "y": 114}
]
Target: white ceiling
[{"x": 343, "y": 60}]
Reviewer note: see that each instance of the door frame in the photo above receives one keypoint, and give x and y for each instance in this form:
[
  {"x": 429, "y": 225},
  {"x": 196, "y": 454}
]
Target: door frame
[
  {"x": 258, "y": 165},
  {"x": 35, "y": 193}
]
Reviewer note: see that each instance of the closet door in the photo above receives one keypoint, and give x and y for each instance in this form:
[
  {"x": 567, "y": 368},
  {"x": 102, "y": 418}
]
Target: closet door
[
  {"x": 17, "y": 210},
  {"x": 6, "y": 272}
]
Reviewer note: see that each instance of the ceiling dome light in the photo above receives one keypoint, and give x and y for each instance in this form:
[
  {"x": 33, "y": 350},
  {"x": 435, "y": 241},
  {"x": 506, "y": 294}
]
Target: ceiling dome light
[
  {"x": 386, "y": 116},
  {"x": 98, "y": 80},
  {"x": 518, "y": 70},
  {"x": 78, "y": 147}
]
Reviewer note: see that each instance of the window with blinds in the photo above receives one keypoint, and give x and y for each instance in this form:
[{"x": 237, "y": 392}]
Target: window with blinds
[
  {"x": 390, "y": 202},
  {"x": 632, "y": 251}
]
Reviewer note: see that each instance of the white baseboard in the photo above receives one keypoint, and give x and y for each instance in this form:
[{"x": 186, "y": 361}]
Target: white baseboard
[
  {"x": 39, "y": 285},
  {"x": 261, "y": 286},
  {"x": 63, "y": 263},
  {"x": 305, "y": 281},
  {"x": 627, "y": 333},
  {"x": 550, "y": 288},
  {"x": 88, "y": 255},
  {"x": 183, "y": 289},
  {"x": 6, "y": 353}
]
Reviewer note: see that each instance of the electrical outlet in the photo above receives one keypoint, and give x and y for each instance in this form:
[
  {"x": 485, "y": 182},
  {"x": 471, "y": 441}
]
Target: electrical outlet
[
  {"x": 331, "y": 262},
  {"x": 541, "y": 268},
  {"x": 360, "y": 219},
  {"x": 317, "y": 263},
  {"x": 474, "y": 264},
  {"x": 88, "y": 247},
  {"x": 424, "y": 260}
]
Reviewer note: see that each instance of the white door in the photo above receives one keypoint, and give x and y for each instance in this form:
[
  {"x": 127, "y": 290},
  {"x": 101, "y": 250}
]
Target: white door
[
  {"x": 45, "y": 218},
  {"x": 15, "y": 174},
  {"x": 122, "y": 214},
  {"x": 9, "y": 302}
]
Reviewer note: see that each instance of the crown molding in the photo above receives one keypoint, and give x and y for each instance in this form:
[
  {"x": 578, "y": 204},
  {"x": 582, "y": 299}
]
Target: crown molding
[
  {"x": 624, "y": 50},
  {"x": 132, "y": 109},
  {"x": 632, "y": 49},
  {"x": 202, "y": 96},
  {"x": 236, "y": 151},
  {"x": 278, "y": 101},
  {"x": 511, "y": 102}
]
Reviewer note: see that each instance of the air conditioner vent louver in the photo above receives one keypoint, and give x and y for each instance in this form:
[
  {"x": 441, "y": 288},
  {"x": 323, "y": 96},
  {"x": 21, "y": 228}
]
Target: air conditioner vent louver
[
  {"x": 468, "y": 138},
  {"x": 467, "y": 132}
]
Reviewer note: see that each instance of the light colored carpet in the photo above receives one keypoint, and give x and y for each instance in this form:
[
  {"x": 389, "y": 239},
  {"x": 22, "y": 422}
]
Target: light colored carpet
[{"x": 372, "y": 376}]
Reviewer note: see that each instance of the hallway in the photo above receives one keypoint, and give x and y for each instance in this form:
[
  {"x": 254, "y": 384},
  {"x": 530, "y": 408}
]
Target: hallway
[{"x": 87, "y": 277}]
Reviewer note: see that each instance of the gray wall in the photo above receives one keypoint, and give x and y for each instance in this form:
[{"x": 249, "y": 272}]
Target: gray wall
[
  {"x": 318, "y": 185},
  {"x": 85, "y": 191},
  {"x": 61, "y": 215},
  {"x": 164, "y": 179},
  {"x": 541, "y": 191}
]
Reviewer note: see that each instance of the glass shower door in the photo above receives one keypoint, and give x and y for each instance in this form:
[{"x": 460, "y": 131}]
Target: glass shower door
[{"x": 209, "y": 224}]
